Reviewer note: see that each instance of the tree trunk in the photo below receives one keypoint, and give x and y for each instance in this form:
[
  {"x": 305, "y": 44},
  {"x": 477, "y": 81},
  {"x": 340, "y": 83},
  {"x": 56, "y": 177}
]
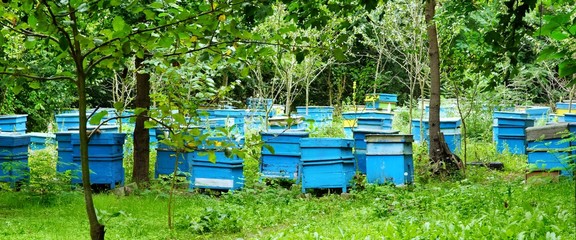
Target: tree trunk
[
  {"x": 141, "y": 135},
  {"x": 434, "y": 114},
  {"x": 443, "y": 162},
  {"x": 96, "y": 229}
]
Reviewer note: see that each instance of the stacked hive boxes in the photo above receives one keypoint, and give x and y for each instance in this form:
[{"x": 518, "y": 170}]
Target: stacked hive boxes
[
  {"x": 450, "y": 127},
  {"x": 360, "y": 145},
  {"x": 105, "y": 156},
  {"x": 326, "y": 163},
  {"x": 224, "y": 171},
  {"x": 281, "y": 154},
  {"x": 389, "y": 159},
  {"x": 14, "y": 158},
  {"x": 366, "y": 120},
  {"x": 551, "y": 147},
  {"x": 510, "y": 131}
]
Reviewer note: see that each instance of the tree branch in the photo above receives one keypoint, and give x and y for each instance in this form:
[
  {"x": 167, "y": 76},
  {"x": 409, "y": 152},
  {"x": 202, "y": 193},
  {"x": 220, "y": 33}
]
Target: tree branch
[
  {"x": 41, "y": 78},
  {"x": 62, "y": 30},
  {"x": 146, "y": 30},
  {"x": 93, "y": 64},
  {"x": 29, "y": 33}
]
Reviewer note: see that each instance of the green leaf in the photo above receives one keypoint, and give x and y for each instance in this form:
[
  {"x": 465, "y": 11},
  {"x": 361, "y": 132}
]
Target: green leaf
[
  {"x": 34, "y": 85},
  {"x": 179, "y": 118},
  {"x": 339, "y": 54},
  {"x": 32, "y": 20},
  {"x": 118, "y": 23},
  {"x": 149, "y": 124},
  {"x": 115, "y": 3},
  {"x": 212, "y": 156},
  {"x": 17, "y": 89},
  {"x": 137, "y": 111},
  {"x": 549, "y": 53},
  {"x": 156, "y": 5},
  {"x": 63, "y": 43},
  {"x": 567, "y": 68},
  {"x": 97, "y": 118},
  {"x": 558, "y": 35},
  {"x": 119, "y": 106},
  {"x": 245, "y": 71},
  {"x": 269, "y": 148}
]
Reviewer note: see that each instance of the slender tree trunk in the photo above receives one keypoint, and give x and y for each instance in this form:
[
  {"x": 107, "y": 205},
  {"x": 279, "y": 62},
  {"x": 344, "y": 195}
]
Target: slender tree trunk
[
  {"x": 377, "y": 73},
  {"x": 97, "y": 230},
  {"x": 434, "y": 115},
  {"x": 141, "y": 135}
]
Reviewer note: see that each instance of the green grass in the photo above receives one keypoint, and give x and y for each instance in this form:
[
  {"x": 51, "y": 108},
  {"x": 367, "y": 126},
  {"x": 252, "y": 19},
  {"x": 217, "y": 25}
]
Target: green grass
[{"x": 494, "y": 207}]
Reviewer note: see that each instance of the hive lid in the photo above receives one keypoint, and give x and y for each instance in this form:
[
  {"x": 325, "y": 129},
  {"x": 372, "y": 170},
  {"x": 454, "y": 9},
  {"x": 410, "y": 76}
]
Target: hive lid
[
  {"x": 326, "y": 142},
  {"x": 552, "y": 131},
  {"x": 389, "y": 138},
  {"x": 373, "y": 131}
]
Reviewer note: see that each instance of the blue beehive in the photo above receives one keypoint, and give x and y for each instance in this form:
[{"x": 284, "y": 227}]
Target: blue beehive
[
  {"x": 376, "y": 123},
  {"x": 550, "y": 148},
  {"x": 261, "y": 104},
  {"x": 450, "y": 127},
  {"x": 500, "y": 114},
  {"x": 321, "y": 116},
  {"x": 65, "y": 160},
  {"x": 360, "y": 145},
  {"x": 389, "y": 159},
  {"x": 65, "y": 121},
  {"x": 105, "y": 157},
  {"x": 14, "y": 158},
  {"x": 226, "y": 173},
  {"x": 569, "y": 117},
  {"x": 282, "y": 122},
  {"x": 38, "y": 141},
  {"x": 509, "y": 131},
  {"x": 445, "y": 111},
  {"x": 284, "y": 161},
  {"x": 381, "y": 101},
  {"x": 326, "y": 163},
  {"x": 537, "y": 113},
  {"x": 13, "y": 123},
  {"x": 165, "y": 163}
]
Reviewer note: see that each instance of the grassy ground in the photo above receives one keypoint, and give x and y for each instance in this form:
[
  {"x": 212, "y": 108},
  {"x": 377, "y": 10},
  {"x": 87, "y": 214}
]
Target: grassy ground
[
  {"x": 486, "y": 205},
  {"x": 497, "y": 206}
]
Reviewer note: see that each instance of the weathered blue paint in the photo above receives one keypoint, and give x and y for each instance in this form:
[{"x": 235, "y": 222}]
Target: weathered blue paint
[
  {"x": 514, "y": 145},
  {"x": 14, "y": 158},
  {"x": 13, "y": 123},
  {"x": 223, "y": 176},
  {"x": 105, "y": 156},
  {"x": 165, "y": 163},
  {"x": 38, "y": 141},
  {"x": 360, "y": 145},
  {"x": 537, "y": 113},
  {"x": 65, "y": 161},
  {"x": 389, "y": 158},
  {"x": 374, "y": 123},
  {"x": 551, "y": 159},
  {"x": 284, "y": 161},
  {"x": 327, "y": 174},
  {"x": 320, "y": 149}
]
